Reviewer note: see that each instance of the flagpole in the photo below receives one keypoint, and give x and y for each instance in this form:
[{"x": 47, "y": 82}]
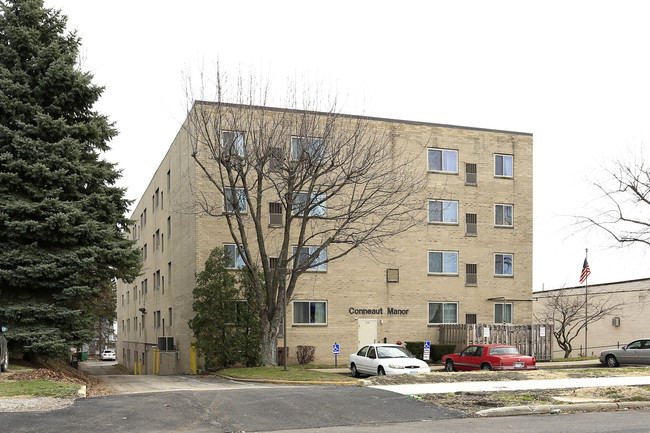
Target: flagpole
[{"x": 586, "y": 285}]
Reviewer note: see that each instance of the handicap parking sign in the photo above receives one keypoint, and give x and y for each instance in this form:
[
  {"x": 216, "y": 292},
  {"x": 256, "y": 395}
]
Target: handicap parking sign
[
  {"x": 336, "y": 349},
  {"x": 427, "y": 345}
]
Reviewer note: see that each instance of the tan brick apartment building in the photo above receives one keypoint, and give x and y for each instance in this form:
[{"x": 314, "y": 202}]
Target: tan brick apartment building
[{"x": 472, "y": 251}]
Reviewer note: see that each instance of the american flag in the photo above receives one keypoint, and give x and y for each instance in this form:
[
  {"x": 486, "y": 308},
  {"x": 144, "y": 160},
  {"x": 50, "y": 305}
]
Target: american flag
[{"x": 585, "y": 272}]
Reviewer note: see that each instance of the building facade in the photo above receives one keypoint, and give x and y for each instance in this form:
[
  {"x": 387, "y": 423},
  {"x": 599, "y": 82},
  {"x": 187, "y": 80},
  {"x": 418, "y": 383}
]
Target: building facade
[
  {"x": 468, "y": 261},
  {"x": 628, "y": 303}
]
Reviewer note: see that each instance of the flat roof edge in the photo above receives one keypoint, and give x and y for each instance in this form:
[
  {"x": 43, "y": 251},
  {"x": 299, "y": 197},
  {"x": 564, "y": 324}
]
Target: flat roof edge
[{"x": 353, "y": 116}]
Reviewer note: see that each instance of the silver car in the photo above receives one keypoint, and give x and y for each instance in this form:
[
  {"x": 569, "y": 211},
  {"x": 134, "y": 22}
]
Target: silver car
[{"x": 637, "y": 352}]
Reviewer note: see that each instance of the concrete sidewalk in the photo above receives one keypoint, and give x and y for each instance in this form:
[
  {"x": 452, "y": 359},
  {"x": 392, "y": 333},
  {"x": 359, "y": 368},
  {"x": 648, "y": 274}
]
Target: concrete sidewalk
[{"x": 512, "y": 385}]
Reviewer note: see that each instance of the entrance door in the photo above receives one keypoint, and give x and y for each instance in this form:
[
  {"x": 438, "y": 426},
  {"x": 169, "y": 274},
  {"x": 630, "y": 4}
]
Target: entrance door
[{"x": 367, "y": 332}]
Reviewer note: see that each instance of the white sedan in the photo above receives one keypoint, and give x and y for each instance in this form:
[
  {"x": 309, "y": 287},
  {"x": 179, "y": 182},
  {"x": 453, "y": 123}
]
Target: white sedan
[
  {"x": 381, "y": 359},
  {"x": 108, "y": 355}
]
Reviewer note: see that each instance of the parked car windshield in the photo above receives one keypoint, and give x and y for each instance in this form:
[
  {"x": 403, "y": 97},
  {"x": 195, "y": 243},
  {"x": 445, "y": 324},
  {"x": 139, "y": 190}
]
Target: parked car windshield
[
  {"x": 393, "y": 352},
  {"x": 504, "y": 351}
]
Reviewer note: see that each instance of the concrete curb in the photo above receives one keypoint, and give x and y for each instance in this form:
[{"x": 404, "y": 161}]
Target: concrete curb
[
  {"x": 561, "y": 408},
  {"x": 287, "y": 382}
]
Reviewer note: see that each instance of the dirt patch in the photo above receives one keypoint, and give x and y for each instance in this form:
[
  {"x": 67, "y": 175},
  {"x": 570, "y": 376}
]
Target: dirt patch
[
  {"x": 472, "y": 402},
  {"x": 56, "y": 371}
]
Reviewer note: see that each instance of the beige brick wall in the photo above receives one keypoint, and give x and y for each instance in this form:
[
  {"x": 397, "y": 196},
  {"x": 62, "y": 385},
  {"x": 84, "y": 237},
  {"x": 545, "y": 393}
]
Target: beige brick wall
[{"x": 357, "y": 280}]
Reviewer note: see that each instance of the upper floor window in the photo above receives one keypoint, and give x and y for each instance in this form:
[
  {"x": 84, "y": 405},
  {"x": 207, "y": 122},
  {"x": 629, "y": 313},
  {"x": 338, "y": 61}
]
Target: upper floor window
[
  {"x": 320, "y": 262},
  {"x": 309, "y": 148},
  {"x": 443, "y": 262},
  {"x": 443, "y": 312},
  {"x": 443, "y": 160},
  {"x": 316, "y": 205},
  {"x": 503, "y": 264},
  {"x": 233, "y": 143},
  {"x": 503, "y": 215},
  {"x": 234, "y": 200},
  {"x": 236, "y": 256},
  {"x": 310, "y": 312},
  {"x": 443, "y": 211},
  {"x": 503, "y": 165}
]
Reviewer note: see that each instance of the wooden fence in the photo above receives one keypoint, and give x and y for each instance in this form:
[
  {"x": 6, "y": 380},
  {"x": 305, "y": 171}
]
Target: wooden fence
[{"x": 535, "y": 340}]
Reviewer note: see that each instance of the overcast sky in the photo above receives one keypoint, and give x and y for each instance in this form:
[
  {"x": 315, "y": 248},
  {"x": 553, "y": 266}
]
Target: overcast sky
[{"x": 575, "y": 74}]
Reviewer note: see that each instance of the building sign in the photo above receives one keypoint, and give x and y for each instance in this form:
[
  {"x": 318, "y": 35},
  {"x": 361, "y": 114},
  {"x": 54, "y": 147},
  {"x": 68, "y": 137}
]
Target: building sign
[{"x": 391, "y": 311}]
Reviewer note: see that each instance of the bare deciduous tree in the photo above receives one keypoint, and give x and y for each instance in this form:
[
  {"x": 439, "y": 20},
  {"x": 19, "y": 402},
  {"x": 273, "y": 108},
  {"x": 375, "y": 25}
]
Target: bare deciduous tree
[
  {"x": 334, "y": 184},
  {"x": 565, "y": 309},
  {"x": 625, "y": 205}
]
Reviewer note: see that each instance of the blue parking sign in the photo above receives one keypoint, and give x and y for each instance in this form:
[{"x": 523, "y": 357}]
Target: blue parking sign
[
  {"x": 336, "y": 349},
  {"x": 427, "y": 345}
]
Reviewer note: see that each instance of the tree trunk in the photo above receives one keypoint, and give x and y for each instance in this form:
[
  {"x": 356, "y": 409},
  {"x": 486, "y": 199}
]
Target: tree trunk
[{"x": 269, "y": 345}]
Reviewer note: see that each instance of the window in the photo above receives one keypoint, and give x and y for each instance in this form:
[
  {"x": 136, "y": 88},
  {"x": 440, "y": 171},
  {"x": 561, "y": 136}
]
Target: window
[
  {"x": 503, "y": 165},
  {"x": 233, "y": 143},
  {"x": 307, "y": 148},
  {"x": 145, "y": 217},
  {"x": 316, "y": 205},
  {"x": 503, "y": 264},
  {"x": 471, "y": 274},
  {"x": 157, "y": 239},
  {"x": 443, "y": 312},
  {"x": 443, "y": 262},
  {"x": 441, "y": 211},
  {"x": 276, "y": 158},
  {"x": 498, "y": 313},
  {"x": 162, "y": 200},
  {"x": 273, "y": 263},
  {"x": 236, "y": 256},
  {"x": 169, "y": 180},
  {"x": 157, "y": 194},
  {"x": 234, "y": 200},
  {"x": 275, "y": 214},
  {"x": 471, "y": 224},
  {"x": 470, "y": 319},
  {"x": 470, "y": 174},
  {"x": 320, "y": 262},
  {"x": 144, "y": 252},
  {"x": 310, "y": 312},
  {"x": 503, "y": 215},
  {"x": 443, "y": 160},
  {"x": 170, "y": 317}
]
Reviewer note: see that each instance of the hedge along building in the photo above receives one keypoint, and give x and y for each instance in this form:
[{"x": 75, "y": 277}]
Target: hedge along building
[{"x": 455, "y": 247}]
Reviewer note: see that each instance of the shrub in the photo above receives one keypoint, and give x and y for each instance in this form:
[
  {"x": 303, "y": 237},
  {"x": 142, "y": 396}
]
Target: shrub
[
  {"x": 436, "y": 352},
  {"x": 305, "y": 354}
]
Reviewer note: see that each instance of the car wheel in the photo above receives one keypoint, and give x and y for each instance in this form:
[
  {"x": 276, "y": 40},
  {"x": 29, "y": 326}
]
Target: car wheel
[
  {"x": 486, "y": 366},
  {"x": 449, "y": 366},
  {"x": 380, "y": 371},
  {"x": 611, "y": 361},
  {"x": 353, "y": 369}
]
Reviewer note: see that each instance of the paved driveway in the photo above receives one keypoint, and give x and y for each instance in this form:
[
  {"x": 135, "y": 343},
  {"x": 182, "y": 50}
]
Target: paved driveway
[{"x": 121, "y": 383}]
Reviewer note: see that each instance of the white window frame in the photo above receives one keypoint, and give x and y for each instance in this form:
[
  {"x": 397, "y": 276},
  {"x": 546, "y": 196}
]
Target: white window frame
[
  {"x": 512, "y": 264},
  {"x": 442, "y": 263},
  {"x": 321, "y": 258},
  {"x": 445, "y": 207},
  {"x": 238, "y": 261},
  {"x": 312, "y": 147},
  {"x": 503, "y": 213},
  {"x": 309, "y": 302},
  {"x": 503, "y": 166},
  {"x": 509, "y": 306},
  {"x": 241, "y": 195},
  {"x": 443, "y": 303},
  {"x": 317, "y": 210},
  {"x": 239, "y": 143},
  {"x": 442, "y": 169}
]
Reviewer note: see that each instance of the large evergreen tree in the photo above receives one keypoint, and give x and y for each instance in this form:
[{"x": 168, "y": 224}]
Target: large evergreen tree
[{"x": 61, "y": 216}]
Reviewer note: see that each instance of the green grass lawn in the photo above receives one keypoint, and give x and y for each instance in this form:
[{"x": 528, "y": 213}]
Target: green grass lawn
[
  {"x": 293, "y": 373},
  {"x": 38, "y": 388}
]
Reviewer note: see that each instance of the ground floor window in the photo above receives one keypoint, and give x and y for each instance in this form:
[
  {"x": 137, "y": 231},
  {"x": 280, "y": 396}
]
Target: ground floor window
[
  {"x": 443, "y": 312},
  {"x": 498, "y": 313},
  {"x": 310, "y": 312}
]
